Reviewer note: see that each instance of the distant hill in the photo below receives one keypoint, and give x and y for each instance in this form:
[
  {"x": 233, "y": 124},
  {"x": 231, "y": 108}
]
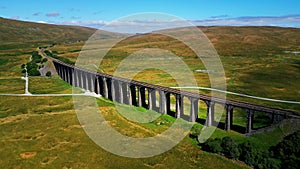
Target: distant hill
[
  {"x": 232, "y": 41},
  {"x": 20, "y": 31},
  {"x": 228, "y": 41},
  {"x": 253, "y": 40}
]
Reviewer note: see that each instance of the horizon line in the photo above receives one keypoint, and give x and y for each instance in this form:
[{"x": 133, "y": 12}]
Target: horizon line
[{"x": 227, "y": 22}]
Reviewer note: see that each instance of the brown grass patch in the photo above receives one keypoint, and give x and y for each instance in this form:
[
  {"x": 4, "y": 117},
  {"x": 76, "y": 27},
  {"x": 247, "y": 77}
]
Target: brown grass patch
[{"x": 28, "y": 155}]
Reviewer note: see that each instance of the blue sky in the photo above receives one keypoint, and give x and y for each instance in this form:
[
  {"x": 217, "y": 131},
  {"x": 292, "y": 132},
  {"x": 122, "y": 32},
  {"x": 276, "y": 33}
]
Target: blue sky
[{"x": 96, "y": 13}]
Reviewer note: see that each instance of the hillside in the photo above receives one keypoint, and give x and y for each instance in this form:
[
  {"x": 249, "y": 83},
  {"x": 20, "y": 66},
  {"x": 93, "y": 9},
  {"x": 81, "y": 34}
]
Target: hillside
[
  {"x": 251, "y": 56},
  {"x": 48, "y": 134},
  {"x": 27, "y": 32},
  {"x": 258, "y": 41},
  {"x": 233, "y": 41},
  {"x": 228, "y": 40}
]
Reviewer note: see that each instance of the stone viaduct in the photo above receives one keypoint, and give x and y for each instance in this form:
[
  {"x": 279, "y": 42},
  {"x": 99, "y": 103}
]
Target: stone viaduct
[{"x": 133, "y": 92}]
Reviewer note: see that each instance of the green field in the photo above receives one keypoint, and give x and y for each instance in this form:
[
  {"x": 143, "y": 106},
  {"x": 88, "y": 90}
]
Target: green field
[
  {"x": 255, "y": 61},
  {"x": 264, "y": 70},
  {"x": 44, "y": 132}
]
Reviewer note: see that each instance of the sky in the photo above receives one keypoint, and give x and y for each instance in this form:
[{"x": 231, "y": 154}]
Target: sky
[{"x": 96, "y": 13}]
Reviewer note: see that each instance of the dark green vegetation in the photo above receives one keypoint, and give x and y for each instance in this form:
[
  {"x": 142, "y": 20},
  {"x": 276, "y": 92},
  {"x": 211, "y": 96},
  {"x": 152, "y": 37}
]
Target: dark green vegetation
[
  {"x": 38, "y": 132},
  {"x": 48, "y": 74},
  {"x": 288, "y": 151},
  {"x": 285, "y": 154},
  {"x": 65, "y": 60},
  {"x": 36, "y": 62},
  {"x": 3, "y": 61}
]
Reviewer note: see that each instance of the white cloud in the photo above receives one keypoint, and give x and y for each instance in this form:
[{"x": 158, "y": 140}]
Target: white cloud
[
  {"x": 219, "y": 16},
  {"x": 142, "y": 26},
  {"x": 14, "y": 17},
  {"x": 290, "y": 20},
  {"x": 37, "y": 14},
  {"x": 41, "y": 22},
  {"x": 53, "y": 14},
  {"x": 94, "y": 24}
]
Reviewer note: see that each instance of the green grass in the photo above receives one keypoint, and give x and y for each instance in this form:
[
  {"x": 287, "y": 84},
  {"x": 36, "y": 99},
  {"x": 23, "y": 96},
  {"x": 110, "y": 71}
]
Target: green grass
[
  {"x": 12, "y": 67},
  {"x": 50, "y": 130},
  {"x": 34, "y": 33},
  {"x": 13, "y": 106},
  {"x": 50, "y": 85},
  {"x": 254, "y": 60},
  {"x": 47, "y": 127},
  {"x": 59, "y": 141},
  {"x": 12, "y": 86},
  {"x": 3, "y": 61},
  {"x": 40, "y": 132}
]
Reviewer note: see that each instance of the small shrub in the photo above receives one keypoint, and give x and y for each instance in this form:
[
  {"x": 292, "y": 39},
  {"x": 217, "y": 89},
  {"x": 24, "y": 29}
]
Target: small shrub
[
  {"x": 195, "y": 132},
  {"x": 268, "y": 163},
  {"x": 48, "y": 74},
  {"x": 288, "y": 151},
  {"x": 35, "y": 53},
  {"x": 250, "y": 154},
  {"x": 230, "y": 148},
  {"x": 37, "y": 60},
  {"x": 44, "y": 60},
  {"x": 213, "y": 145},
  {"x": 34, "y": 72}
]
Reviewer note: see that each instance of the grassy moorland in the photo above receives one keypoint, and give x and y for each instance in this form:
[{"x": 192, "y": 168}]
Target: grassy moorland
[
  {"x": 55, "y": 139},
  {"x": 48, "y": 134},
  {"x": 40, "y": 132},
  {"x": 257, "y": 60},
  {"x": 18, "y": 31},
  {"x": 37, "y": 132},
  {"x": 44, "y": 131}
]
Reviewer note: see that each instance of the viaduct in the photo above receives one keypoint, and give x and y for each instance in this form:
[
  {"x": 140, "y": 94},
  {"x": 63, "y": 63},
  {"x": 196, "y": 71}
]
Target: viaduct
[{"x": 133, "y": 92}]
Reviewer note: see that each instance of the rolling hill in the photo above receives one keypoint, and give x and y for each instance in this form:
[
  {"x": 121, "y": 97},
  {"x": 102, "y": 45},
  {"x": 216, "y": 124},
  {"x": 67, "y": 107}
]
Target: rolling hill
[
  {"x": 247, "y": 41},
  {"x": 229, "y": 40},
  {"x": 48, "y": 134},
  {"x": 251, "y": 56},
  {"x": 14, "y": 31},
  {"x": 233, "y": 41}
]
